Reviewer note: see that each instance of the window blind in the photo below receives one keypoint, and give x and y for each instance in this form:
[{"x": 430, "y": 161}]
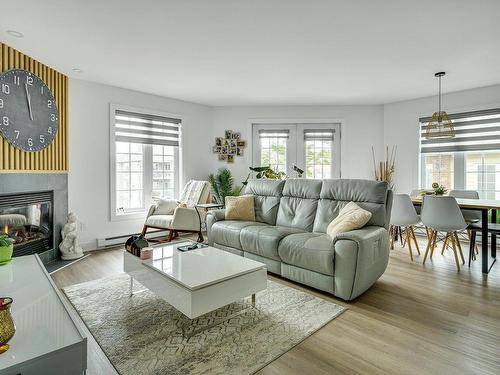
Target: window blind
[
  {"x": 273, "y": 133},
  {"x": 146, "y": 129},
  {"x": 319, "y": 134},
  {"x": 474, "y": 131}
]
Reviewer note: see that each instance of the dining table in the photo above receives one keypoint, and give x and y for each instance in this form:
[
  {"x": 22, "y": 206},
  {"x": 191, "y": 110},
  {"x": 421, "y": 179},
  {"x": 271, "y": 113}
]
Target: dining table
[{"x": 484, "y": 206}]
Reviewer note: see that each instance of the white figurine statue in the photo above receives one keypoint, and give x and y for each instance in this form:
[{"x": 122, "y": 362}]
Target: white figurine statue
[{"x": 69, "y": 246}]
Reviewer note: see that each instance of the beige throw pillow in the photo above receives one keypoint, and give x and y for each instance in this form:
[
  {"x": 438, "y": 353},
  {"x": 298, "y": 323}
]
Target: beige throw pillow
[
  {"x": 350, "y": 217},
  {"x": 240, "y": 208}
]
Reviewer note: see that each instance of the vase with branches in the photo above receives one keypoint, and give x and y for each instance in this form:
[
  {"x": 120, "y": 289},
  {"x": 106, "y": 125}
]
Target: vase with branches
[{"x": 384, "y": 171}]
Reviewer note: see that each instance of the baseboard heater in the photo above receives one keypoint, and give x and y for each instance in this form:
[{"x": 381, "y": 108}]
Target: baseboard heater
[{"x": 120, "y": 240}]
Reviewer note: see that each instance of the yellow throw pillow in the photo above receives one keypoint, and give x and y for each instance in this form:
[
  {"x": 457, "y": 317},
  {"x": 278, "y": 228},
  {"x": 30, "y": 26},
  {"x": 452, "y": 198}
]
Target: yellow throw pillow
[
  {"x": 350, "y": 217},
  {"x": 240, "y": 208}
]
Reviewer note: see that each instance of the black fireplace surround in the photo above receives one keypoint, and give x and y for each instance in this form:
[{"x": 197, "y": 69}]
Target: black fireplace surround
[
  {"x": 38, "y": 205},
  {"x": 28, "y": 218}
]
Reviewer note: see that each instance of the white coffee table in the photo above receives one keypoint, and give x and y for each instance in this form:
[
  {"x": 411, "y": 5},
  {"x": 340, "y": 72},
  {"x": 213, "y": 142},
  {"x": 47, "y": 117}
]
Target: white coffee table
[{"x": 198, "y": 281}]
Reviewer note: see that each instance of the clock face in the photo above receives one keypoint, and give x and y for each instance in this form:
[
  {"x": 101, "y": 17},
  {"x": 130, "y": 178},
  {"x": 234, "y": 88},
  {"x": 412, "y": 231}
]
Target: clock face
[{"x": 28, "y": 112}]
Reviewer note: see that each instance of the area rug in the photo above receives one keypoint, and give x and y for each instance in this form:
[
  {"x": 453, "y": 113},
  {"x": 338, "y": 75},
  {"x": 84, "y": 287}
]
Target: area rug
[{"x": 142, "y": 335}]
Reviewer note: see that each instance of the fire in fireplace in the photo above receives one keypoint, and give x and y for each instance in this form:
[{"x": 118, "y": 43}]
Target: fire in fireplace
[{"x": 28, "y": 219}]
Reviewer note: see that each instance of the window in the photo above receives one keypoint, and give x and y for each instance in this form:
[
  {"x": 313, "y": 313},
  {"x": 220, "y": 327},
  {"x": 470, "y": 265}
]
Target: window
[
  {"x": 482, "y": 173},
  {"x": 273, "y": 147},
  {"x": 470, "y": 160},
  {"x": 318, "y": 153},
  {"x": 314, "y": 148},
  {"x": 145, "y": 160},
  {"x": 438, "y": 168}
]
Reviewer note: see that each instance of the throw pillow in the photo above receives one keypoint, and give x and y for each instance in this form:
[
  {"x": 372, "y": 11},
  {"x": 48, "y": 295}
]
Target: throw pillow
[
  {"x": 240, "y": 208},
  {"x": 350, "y": 217},
  {"x": 166, "y": 207}
]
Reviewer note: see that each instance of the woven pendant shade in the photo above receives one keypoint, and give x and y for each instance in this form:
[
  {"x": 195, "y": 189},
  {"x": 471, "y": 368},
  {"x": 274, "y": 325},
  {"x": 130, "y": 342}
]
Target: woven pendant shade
[{"x": 440, "y": 126}]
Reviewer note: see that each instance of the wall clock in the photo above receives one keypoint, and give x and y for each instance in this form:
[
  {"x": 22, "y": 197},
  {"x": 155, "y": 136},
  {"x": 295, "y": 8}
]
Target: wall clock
[{"x": 28, "y": 114}]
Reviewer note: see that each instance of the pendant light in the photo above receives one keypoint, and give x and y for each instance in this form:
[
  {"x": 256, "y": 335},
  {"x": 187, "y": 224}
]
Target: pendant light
[{"x": 440, "y": 125}]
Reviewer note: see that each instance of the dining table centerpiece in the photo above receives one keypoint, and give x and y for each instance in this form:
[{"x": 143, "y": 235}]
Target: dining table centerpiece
[{"x": 438, "y": 189}]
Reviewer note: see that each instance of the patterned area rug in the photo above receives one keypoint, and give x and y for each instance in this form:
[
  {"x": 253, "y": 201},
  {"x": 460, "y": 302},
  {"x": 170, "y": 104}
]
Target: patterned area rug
[{"x": 142, "y": 335}]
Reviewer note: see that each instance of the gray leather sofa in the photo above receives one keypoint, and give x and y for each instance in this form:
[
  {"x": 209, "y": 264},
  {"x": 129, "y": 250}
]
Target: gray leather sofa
[{"x": 289, "y": 233}]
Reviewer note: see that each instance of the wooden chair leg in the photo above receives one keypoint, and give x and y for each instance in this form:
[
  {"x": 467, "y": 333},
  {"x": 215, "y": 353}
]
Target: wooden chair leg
[
  {"x": 144, "y": 230},
  {"x": 445, "y": 244},
  {"x": 407, "y": 240},
  {"x": 401, "y": 236},
  {"x": 170, "y": 235},
  {"x": 392, "y": 234},
  {"x": 429, "y": 244},
  {"x": 414, "y": 239},
  {"x": 433, "y": 245},
  {"x": 452, "y": 239},
  {"x": 457, "y": 241}
]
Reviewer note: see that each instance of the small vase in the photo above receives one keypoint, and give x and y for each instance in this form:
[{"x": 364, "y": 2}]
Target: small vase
[
  {"x": 6, "y": 253},
  {"x": 7, "y": 327}
]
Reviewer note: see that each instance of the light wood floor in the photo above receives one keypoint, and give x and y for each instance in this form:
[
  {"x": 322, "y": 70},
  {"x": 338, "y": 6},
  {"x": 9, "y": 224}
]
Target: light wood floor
[{"x": 415, "y": 320}]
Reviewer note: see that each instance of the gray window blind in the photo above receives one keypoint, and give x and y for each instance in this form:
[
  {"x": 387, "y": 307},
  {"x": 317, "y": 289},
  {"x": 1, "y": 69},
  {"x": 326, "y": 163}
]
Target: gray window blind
[
  {"x": 276, "y": 133},
  {"x": 146, "y": 129},
  {"x": 319, "y": 134},
  {"x": 474, "y": 131}
]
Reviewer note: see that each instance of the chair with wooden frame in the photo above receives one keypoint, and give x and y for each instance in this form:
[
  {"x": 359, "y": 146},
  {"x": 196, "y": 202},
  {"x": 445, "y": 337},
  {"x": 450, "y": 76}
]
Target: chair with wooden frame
[
  {"x": 442, "y": 214},
  {"x": 403, "y": 214},
  {"x": 179, "y": 216}
]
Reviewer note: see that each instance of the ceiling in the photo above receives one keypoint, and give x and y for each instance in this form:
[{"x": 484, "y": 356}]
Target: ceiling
[{"x": 265, "y": 52}]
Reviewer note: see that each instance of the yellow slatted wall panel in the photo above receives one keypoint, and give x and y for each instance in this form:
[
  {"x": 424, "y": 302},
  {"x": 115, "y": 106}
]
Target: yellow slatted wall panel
[{"x": 55, "y": 157}]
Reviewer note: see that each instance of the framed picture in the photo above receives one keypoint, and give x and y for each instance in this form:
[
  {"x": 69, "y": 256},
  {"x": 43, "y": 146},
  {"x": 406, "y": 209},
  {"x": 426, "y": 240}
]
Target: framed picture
[
  {"x": 218, "y": 141},
  {"x": 216, "y": 149},
  {"x": 232, "y": 143},
  {"x": 225, "y": 150},
  {"x": 222, "y": 157},
  {"x": 236, "y": 136},
  {"x": 241, "y": 144},
  {"x": 239, "y": 151},
  {"x": 228, "y": 134},
  {"x": 232, "y": 151},
  {"x": 230, "y": 158}
]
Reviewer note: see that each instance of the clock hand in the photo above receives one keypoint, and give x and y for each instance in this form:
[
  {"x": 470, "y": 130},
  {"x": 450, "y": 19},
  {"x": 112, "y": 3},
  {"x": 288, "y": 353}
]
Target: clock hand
[{"x": 28, "y": 96}]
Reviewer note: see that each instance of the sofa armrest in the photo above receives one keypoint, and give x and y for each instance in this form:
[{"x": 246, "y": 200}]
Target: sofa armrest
[
  {"x": 361, "y": 257},
  {"x": 185, "y": 218},
  {"x": 151, "y": 210},
  {"x": 214, "y": 216}
]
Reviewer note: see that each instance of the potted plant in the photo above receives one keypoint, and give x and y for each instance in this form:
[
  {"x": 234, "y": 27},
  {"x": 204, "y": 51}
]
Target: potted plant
[
  {"x": 6, "y": 248},
  {"x": 222, "y": 184},
  {"x": 438, "y": 189}
]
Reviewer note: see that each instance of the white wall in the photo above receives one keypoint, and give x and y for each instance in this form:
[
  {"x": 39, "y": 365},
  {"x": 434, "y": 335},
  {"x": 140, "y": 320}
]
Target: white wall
[
  {"x": 402, "y": 129},
  {"x": 362, "y": 127},
  {"x": 89, "y": 179}
]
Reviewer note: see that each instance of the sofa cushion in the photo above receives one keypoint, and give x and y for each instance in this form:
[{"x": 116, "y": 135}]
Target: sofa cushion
[
  {"x": 299, "y": 203},
  {"x": 240, "y": 208},
  {"x": 350, "y": 217},
  {"x": 312, "y": 251},
  {"x": 264, "y": 240},
  {"x": 162, "y": 221},
  {"x": 267, "y": 194},
  {"x": 336, "y": 194},
  {"x": 227, "y": 232}
]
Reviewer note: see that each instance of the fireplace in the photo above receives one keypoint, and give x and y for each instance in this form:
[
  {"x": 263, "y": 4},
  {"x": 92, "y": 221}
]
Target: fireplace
[{"x": 28, "y": 219}]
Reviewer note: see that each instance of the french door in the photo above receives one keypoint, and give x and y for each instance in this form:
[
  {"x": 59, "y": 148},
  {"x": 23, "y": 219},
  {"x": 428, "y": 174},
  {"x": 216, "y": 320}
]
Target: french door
[{"x": 314, "y": 148}]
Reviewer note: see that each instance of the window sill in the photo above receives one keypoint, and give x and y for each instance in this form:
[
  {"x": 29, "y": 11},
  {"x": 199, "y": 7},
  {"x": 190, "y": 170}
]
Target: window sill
[{"x": 129, "y": 216}]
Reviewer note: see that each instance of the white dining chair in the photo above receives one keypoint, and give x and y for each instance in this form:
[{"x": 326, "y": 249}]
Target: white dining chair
[
  {"x": 470, "y": 216},
  {"x": 442, "y": 214},
  {"x": 403, "y": 214}
]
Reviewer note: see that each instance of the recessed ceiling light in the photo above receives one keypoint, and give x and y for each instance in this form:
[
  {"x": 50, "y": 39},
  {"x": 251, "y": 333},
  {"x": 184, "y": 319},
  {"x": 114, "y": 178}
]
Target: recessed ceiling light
[
  {"x": 15, "y": 33},
  {"x": 77, "y": 70}
]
